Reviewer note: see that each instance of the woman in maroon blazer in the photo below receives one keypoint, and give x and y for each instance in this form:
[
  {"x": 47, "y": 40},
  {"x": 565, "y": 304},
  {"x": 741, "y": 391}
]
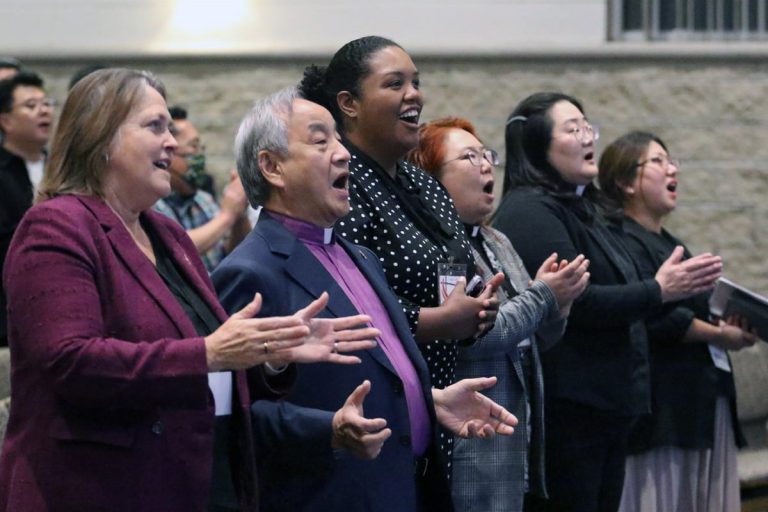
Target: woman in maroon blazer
[{"x": 127, "y": 384}]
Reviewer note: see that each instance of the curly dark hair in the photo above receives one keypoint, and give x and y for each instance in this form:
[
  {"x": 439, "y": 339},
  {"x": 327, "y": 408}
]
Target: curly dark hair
[{"x": 347, "y": 69}]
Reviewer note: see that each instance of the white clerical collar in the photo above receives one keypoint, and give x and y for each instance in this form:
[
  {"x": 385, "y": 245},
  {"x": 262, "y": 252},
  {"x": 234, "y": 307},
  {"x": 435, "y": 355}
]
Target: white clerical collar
[{"x": 472, "y": 230}]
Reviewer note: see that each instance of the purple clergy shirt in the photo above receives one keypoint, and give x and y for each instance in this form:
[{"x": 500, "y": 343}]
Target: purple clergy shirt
[{"x": 358, "y": 290}]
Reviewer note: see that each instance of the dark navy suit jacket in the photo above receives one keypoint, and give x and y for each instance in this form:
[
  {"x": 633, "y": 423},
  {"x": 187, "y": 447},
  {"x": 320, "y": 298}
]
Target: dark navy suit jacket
[{"x": 298, "y": 468}]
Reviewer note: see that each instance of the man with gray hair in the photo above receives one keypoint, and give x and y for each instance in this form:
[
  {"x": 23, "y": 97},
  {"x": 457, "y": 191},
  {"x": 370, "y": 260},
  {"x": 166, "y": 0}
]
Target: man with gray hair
[{"x": 291, "y": 161}]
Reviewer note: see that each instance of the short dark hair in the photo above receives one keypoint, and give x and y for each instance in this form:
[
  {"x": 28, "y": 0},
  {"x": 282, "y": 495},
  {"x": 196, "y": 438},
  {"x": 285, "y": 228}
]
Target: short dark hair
[
  {"x": 9, "y": 85},
  {"x": 178, "y": 113},
  {"x": 619, "y": 164},
  {"x": 84, "y": 72},
  {"x": 347, "y": 69},
  {"x": 10, "y": 62}
]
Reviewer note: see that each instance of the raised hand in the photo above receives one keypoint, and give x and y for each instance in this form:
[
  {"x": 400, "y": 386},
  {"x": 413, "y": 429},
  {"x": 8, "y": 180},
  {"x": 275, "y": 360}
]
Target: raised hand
[
  {"x": 680, "y": 279},
  {"x": 566, "y": 280},
  {"x": 233, "y": 199},
  {"x": 243, "y": 341},
  {"x": 329, "y": 338},
  {"x": 353, "y": 432},
  {"x": 490, "y": 303},
  {"x": 466, "y": 412}
]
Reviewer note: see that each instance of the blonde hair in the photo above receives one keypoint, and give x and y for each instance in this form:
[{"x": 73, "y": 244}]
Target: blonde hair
[{"x": 90, "y": 120}]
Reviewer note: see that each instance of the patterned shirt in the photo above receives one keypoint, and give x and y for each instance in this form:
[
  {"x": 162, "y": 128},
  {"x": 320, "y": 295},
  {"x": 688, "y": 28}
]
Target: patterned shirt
[
  {"x": 193, "y": 212},
  {"x": 410, "y": 258}
]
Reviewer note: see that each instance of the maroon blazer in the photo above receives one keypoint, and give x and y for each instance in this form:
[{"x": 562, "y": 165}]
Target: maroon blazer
[{"x": 110, "y": 404}]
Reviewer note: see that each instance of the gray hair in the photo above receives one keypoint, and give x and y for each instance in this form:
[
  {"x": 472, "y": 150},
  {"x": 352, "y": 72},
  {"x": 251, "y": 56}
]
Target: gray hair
[{"x": 263, "y": 128}]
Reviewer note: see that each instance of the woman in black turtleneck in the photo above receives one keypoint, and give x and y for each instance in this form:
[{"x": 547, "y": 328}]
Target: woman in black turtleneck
[{"x": 596, "y": 377}]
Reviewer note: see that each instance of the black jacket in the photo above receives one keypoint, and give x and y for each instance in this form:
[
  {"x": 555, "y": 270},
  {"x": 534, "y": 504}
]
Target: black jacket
[
  {"x": 15, "y": 199},
  {"x": 602, "y": 358},
  {"x": 685, "y": 383}
]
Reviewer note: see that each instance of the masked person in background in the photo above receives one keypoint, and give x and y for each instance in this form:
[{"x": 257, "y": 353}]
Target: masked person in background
[{"x": 214, "y": 228}]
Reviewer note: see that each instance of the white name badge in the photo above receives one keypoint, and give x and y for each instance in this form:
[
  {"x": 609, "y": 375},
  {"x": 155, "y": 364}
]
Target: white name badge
[
  {"x": 448, "y": 274},
  {"x": 720, "y": 358}
]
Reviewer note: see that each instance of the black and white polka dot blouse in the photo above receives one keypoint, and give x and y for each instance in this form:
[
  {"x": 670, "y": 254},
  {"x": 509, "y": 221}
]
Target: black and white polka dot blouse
[{"x": 409, "y": 256}]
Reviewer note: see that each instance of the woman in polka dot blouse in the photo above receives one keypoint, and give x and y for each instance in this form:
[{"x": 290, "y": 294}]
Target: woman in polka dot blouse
[{"x": 371, "y": 87}]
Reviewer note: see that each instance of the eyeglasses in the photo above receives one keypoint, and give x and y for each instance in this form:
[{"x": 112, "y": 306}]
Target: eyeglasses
[
  {"x": 580, "y": 132},
  {"x": 662, "y": 161},
  {"x": 476, "y": 158},
  {"x": 33, "y": 105}
]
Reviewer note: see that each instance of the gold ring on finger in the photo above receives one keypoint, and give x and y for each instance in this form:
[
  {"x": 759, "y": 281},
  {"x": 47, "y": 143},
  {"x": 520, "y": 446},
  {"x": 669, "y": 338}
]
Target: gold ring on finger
[{"x": 266, "y": 347}]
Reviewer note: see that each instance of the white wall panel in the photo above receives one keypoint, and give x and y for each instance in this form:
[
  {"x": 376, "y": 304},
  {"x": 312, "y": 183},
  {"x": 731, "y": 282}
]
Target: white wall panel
[{"x": 278, "y": 27}]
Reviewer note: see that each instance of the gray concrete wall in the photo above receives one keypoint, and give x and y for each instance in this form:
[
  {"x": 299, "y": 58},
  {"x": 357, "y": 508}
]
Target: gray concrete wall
[
  {"x": 280, "y": 27},
  {"x": 710, "y": 111}
]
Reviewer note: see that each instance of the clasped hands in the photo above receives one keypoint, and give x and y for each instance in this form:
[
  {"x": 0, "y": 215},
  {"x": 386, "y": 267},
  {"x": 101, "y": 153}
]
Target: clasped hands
[
  {"x": 567, "y": 280},
  {"x": 460, "y": 408},
  {"x": 472, "y": 316}
]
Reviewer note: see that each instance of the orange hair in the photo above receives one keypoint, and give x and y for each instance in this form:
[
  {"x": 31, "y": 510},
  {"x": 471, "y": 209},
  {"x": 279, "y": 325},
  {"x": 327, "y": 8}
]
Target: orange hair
[{"x": 430, "y": 153}]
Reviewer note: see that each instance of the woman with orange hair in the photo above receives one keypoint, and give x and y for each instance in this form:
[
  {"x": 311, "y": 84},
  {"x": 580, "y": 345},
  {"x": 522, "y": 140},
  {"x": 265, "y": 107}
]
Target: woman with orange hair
[{"x": 494, "y": 475}]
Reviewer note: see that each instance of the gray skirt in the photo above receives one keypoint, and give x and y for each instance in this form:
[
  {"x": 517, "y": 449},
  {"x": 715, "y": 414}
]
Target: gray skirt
[{"x": 674, "y": 479}]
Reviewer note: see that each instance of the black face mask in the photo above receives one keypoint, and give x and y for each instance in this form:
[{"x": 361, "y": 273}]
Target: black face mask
[{"x": 195, "y": 173}]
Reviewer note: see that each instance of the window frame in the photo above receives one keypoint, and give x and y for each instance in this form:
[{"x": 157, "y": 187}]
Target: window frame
[{"x": 744, "y": 14}]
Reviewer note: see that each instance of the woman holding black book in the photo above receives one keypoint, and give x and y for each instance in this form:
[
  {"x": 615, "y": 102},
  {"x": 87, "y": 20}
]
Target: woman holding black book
[{"x": 684, "y": 452}]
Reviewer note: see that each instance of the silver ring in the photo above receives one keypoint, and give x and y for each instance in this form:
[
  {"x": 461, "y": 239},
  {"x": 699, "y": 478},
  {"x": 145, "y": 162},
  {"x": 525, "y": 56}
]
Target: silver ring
[
  {"x": 266, "y": 347},
  {"x": 335, "y": 347}
]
